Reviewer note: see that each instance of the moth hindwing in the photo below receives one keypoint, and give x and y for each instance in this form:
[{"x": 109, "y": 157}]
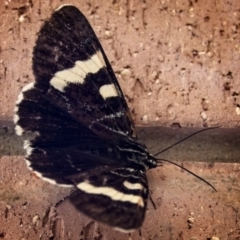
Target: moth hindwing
[{"x": 84, "y": 134}]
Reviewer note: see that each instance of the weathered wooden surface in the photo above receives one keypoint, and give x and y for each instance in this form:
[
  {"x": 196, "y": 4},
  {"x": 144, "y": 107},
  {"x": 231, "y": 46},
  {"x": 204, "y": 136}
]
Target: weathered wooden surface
[
  {"x": 179, "y": 197},
  {"x": 176, "y": 61}
]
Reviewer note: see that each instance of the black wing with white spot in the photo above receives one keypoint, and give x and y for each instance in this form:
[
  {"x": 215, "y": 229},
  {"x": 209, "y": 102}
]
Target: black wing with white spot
[
  {"x": 84, "y": 134},
  {"x": 116, "y": 197},
  {"x": 73, "y": 73}
]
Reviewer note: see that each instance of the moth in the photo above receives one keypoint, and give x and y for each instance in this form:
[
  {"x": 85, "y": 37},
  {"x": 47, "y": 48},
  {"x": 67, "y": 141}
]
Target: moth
[{"x": 84, "y": 134}]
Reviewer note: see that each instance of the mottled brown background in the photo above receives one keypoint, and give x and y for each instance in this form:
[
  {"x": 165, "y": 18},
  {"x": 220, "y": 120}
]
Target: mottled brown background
[{"x": 177, "y": 62}]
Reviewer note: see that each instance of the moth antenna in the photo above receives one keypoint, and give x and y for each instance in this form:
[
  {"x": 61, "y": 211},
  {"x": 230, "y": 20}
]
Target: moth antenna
[
  {"x": 202, "y": 130},
  {"x": 194, "y": 174}
]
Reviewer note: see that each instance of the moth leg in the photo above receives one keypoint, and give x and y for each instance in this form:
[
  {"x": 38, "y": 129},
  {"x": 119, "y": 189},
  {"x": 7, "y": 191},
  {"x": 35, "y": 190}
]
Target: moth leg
[
  {"x": 151, "y": 200},
  {"x": 64, "y": 198}
]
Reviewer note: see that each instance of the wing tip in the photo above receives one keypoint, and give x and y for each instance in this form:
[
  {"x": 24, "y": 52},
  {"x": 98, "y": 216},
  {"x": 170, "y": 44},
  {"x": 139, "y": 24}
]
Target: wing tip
[{"x": 62, "y": 6}]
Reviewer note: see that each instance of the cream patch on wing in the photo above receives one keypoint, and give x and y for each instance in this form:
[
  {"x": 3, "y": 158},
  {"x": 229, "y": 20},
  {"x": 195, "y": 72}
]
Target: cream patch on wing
[
  {"x": 78, "y": 73},
  {"x": 110, "y": 192}
]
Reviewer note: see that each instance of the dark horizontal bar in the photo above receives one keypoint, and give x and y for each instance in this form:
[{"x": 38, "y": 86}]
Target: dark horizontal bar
[{"x": 215, "y": 145}]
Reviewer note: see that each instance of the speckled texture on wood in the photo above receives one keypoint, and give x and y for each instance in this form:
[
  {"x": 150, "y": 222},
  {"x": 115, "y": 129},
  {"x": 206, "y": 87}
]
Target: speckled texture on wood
[
  {"x": 185, "y": 207},
  {"x": 176, "y": 61}
]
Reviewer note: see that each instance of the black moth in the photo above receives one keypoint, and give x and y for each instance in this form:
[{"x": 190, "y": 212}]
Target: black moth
[{"x": 84, "y": 134}]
